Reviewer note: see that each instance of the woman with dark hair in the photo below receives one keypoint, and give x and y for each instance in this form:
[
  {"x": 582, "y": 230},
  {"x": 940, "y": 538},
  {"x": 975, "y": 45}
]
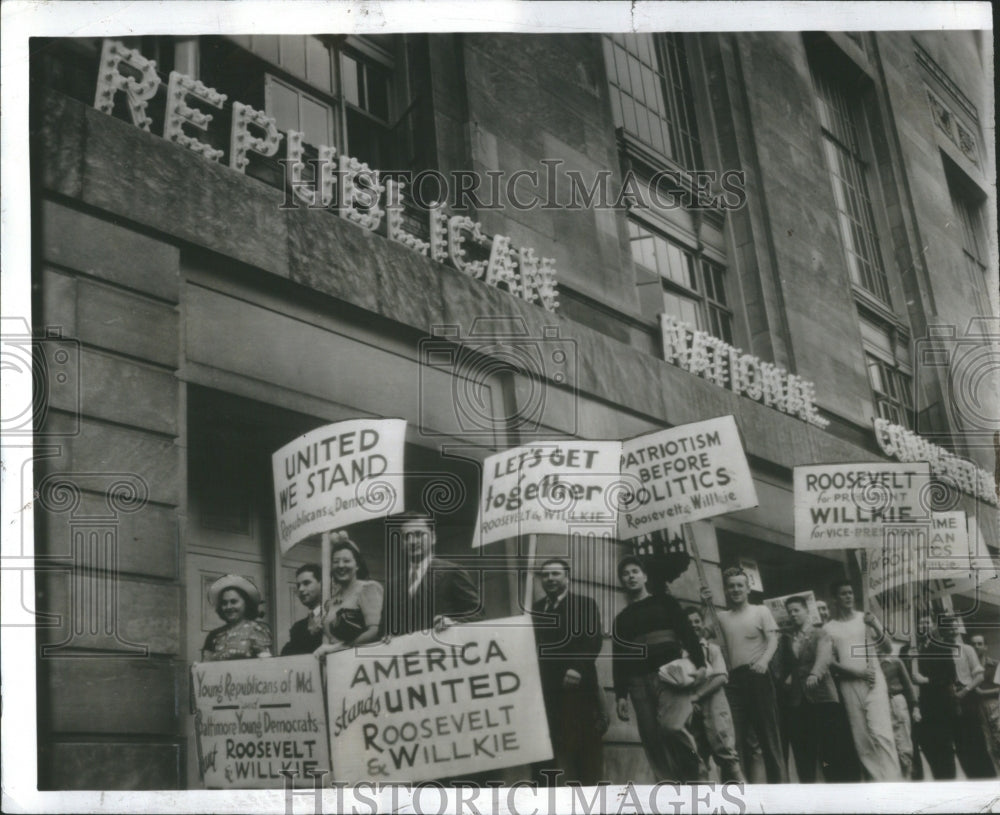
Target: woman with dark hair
[
  {"x": 353, "y": 613},
  {"x": 236, "y": 601}
]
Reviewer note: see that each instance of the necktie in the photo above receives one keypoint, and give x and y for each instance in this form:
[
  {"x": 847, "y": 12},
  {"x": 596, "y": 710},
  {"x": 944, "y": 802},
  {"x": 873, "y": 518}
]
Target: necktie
[{"x": 414, "y": 578}]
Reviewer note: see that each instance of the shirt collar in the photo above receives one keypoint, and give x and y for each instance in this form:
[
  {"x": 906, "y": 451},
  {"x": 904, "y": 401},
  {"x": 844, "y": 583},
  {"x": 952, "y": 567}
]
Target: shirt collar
[
  {"x": 551, "y": 604},
  {"x": 422, "y": 568}
]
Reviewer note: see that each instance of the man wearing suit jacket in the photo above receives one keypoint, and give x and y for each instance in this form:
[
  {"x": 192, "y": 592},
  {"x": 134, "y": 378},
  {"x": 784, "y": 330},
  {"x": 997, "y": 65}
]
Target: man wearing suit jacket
[
  {"x": 306, "y": 635},
  {"x": 818, "y": 723},
  {"x": 568, "y": 635},
  {"x": 426, "y": 591}
]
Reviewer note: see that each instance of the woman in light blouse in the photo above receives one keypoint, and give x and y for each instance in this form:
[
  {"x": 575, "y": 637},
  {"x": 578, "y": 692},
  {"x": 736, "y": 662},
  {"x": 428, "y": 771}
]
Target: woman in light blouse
[{"x": 353, "y": 614}]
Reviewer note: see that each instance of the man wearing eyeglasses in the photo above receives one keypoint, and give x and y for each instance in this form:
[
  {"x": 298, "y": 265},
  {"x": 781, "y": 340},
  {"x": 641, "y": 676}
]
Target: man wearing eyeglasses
[{"x": 426, "y": 591}]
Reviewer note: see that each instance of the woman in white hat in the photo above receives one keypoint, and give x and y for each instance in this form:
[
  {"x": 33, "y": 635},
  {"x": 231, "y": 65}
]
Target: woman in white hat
[
  {"x": 236, "y": 601},
  {"x": 353, "y": 614}
]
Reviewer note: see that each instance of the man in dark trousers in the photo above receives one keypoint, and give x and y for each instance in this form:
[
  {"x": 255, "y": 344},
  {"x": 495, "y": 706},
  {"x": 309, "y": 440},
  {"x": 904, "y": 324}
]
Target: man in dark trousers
[
  {"x": 425, "y": 591},
  {"x": 306, "y": 635},
  {"x": 568, "y": 635},
  {"x": 934, "y": 670}
]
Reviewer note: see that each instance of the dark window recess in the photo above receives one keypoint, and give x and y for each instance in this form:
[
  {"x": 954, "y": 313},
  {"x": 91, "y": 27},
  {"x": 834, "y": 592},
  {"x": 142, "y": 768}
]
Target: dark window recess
[
  {"x": 848, "y": 159},
  {"x": 694, "y": 288}
]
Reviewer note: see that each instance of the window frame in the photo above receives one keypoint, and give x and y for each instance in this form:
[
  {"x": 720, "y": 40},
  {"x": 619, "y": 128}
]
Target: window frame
[
  {"x": 699, "y": 264},
  {"x": 895, "y": 369},
  {"x": 686, "y": 153},
  {"x": 363, "y": 52},
  {"x": 862, "y": 185},
  {"x": 967, "y": 206}
]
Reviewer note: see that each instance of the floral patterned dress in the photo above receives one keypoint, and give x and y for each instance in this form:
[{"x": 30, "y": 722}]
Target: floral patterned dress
[{"x": 245, "y": 640}]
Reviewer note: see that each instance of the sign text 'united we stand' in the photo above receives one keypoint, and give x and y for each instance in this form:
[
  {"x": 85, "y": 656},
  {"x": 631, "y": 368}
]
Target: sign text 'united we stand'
[
  {"x": 429, "y": 705},
  {"x": 337, "y": 475},
  {"x": 258, "y": 718}
]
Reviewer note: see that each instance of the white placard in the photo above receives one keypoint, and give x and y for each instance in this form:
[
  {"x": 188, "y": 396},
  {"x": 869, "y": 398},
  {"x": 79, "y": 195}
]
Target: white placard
[
  {"x": 546, "y": 488},
  {"x": 338, "y": 475},
  {"x": 940, "y": 551},
  {"x": 426, "y": 706},
  {"x": 684, "y": 474},
  {"x": 845, "y": 506},
  {"x": 754, "y": 581},
  {"x": 258, "y": 717},
  {"x": 776, "y": 605}
]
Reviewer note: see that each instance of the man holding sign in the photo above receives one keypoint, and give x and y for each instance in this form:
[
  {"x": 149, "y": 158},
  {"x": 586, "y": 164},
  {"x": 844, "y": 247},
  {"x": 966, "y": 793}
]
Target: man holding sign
[{"x": 751, "y": 638}]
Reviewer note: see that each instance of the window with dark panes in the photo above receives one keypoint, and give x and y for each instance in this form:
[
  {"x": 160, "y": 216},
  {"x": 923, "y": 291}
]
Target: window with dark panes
[
  {"x": 848, "y": 159},
  {"x": 972, "y": 234},
  {"x": 337, "y": 91},
  {"x": 890, "y": 374},
  {"x": 651, "y": 97},
  {"x": 693, "y": 286}
]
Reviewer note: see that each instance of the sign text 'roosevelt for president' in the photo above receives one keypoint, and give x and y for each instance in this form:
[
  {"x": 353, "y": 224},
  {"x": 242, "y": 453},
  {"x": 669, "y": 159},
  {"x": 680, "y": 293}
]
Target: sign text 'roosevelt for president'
[{"x": 845, "y": 506}]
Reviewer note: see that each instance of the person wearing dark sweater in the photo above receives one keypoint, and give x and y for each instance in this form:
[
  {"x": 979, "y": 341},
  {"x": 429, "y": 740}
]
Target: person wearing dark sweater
[{"x": 650, "y": 633}]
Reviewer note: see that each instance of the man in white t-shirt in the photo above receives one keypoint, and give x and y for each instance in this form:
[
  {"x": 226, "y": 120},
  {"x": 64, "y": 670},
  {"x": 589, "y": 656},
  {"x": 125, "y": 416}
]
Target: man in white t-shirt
[
  {"x": 750, "y": 637},
  {"x": 862, "y": 685}
]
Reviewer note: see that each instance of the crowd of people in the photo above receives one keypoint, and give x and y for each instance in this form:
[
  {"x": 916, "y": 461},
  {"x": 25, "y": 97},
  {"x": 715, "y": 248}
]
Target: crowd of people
[
  {"x": 703, "y": 687},
  {"x": 834, "y": 694},
  {"x": 430, "y": 592}
]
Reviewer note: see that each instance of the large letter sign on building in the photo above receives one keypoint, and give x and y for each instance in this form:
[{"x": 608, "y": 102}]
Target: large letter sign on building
[
  {"x": 338, "y": 475},
  {"x": 851, "y": 506},
  {"x": 684, "y": 474},
  {"x": 427, "y": 705}
]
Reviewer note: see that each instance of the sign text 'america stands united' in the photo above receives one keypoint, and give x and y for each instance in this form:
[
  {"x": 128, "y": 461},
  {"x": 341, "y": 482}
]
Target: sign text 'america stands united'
[{"x": 429, "y": 705}]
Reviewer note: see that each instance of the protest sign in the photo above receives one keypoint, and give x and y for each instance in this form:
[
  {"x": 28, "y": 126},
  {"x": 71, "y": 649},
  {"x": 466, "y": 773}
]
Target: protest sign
[
  {"x": 684, "y": 474},
  {"x": 776, "y": 605},
  {"x": 754, "y": 580},
  {"x": 939, "y": 551},
  {"x": 429, "y": 705},
  {"x": 543, "y": 488},
  {"x": 843, "y": 506},
  {"x": 338, "y": 475},
  {"x": 255, "y": 718}
]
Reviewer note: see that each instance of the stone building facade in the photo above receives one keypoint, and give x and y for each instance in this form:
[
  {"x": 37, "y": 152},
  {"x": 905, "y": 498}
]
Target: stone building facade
[{"x": 210, "y": 316}]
